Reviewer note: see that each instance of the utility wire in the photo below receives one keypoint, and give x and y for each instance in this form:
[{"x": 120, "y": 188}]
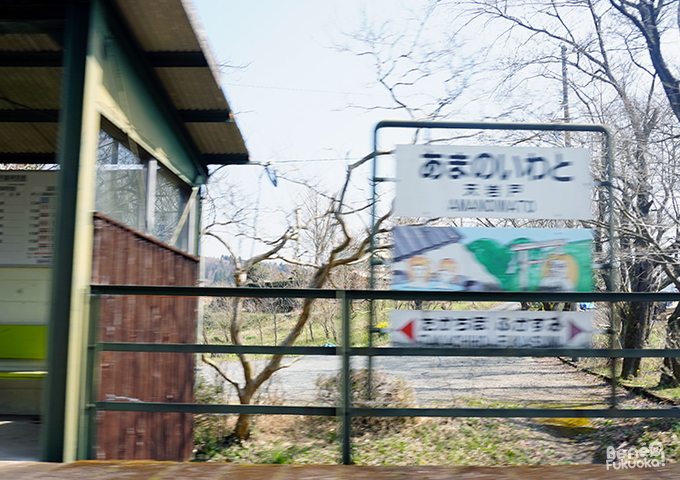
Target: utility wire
[
  {"x": 275, "y": 162},
  {"x": 305, "y": 90}
]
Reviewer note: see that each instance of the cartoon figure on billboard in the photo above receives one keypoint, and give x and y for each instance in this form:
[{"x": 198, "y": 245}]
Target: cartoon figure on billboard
[
  {"x": 419, "y": 271},
  {"x": 447, "y": 270},
  {"x": 560, "y": 273},
  {"x": 448, "y": 277}
]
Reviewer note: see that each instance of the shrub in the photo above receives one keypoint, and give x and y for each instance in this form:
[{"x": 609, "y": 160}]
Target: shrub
[
  {"x": 211, "y": 432},
  {"x": 386, "y": 391}
]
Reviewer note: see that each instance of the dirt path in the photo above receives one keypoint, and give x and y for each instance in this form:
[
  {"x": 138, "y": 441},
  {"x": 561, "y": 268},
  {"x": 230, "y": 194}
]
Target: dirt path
[{"x": 437, "y": 380}]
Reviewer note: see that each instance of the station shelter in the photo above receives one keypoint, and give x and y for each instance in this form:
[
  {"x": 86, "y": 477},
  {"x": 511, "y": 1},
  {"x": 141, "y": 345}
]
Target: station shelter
[{"x": 111, "y": 113}]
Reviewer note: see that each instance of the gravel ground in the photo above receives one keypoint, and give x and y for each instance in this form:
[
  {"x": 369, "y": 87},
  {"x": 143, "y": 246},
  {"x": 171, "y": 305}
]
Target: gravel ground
[{"x": 436, "y": 380}]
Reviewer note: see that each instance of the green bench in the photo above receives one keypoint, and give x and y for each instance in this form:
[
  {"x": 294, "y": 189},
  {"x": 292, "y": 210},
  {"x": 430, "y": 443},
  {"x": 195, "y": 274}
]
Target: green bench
[
  {"x": 22, "y": 368},
  {"x": 22, "y": 351}
]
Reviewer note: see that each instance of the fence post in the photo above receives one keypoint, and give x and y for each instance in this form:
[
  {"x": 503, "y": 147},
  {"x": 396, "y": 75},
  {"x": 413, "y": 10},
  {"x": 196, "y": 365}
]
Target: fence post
[
  {"x": 613, "y": 343},
  {"x": 346, "y": 387},
  {"x": 87, "y": 435}
]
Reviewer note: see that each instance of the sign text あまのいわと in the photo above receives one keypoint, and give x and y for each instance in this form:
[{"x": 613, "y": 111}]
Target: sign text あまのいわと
[{"x": 494, "y": 182}]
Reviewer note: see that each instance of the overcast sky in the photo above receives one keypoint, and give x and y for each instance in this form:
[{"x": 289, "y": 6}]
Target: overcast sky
[
  {"x": 292, "y": 90},
  {"x": 291, "y": 96}
]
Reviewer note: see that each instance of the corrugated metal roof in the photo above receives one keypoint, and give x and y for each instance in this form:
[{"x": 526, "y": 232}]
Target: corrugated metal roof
[
  {"x": 27, "y": 43},
  {"x": 175, "y": 49},
  {"x": 212, "y": 137},
  {"x": 160, "y": 25},
  {"x": 28, "y": 137},
  {"x": 30, "y": 87},
  {"x": 192, "y": 88}
]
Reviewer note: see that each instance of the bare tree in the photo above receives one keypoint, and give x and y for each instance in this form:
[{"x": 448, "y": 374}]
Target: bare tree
[
  {"x": 617, "y": 85},
  {"x": 423, "y": 74},
  {"x": 343, "y": 249},
  {"x": 651, "y": 19},
  {"x": 618, "y": 74}
]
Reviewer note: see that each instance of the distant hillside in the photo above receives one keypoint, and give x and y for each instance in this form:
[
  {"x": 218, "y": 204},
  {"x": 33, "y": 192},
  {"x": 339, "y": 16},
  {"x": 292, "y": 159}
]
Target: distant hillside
[{"x": 219, "y": 271}]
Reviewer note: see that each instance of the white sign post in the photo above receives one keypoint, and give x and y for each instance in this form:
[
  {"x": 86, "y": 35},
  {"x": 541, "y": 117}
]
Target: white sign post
[
  {"x": 500, "y": 329},
  {"x": 492, "y": 182}
]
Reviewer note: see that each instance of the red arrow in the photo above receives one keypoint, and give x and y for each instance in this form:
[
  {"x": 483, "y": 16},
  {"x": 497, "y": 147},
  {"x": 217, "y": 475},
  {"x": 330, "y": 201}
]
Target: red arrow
[
  {"x": 408, "y": 330},
  {"x": 574, "y": 330}
]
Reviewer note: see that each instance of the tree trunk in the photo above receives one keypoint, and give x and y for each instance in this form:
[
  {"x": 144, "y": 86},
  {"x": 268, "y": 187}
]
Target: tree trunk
[
  {"x": 670, "y": 373},
  {"x": 324, "y": 324},
  {"x": 242, "y": 429},
  {"x": 335, "y": 333},
  {"x": 637, "y": 321}
]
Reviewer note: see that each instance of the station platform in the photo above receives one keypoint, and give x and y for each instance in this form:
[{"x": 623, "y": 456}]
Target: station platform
[{"x": 146, "y": 470}]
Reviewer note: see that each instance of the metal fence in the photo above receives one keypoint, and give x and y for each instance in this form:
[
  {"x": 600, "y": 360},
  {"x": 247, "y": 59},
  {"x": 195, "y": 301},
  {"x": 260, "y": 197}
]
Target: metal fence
[{"x": 346, "y": 410}]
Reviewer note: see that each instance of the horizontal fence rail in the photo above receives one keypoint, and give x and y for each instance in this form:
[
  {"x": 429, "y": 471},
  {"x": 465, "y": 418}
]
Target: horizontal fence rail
[
  {"x": 390, "y": 412},
  {"x": 393, "y": 351},
  {"x": 347, "y": 410},
  {"x": 425, "y": 295}
]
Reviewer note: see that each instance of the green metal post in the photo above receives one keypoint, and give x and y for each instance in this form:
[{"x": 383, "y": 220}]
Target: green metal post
[
  {"x": 614, "y": 341},
  {"x": 612, "y": 360},
  {"x": 346, "y": 387},
  {"x": 68, "y": 157},
  {"x": 371, "y": 265},
  {"x": 87, "y": 436}
]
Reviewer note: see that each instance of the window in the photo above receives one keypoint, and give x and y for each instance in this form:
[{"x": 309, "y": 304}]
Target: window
[
  {"x": 121, "y": 183},
  {"x": 133, "y": 188},
  {"x": 170, "y": 202}
]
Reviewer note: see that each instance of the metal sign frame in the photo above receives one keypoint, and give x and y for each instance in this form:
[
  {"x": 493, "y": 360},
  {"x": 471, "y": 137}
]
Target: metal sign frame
[{"x": 611, "y": 266}]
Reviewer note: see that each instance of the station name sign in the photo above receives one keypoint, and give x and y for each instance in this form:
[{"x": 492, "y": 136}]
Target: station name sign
[
  {"x": 492, "y": 182},
  {"x": 491, "y": 329}
]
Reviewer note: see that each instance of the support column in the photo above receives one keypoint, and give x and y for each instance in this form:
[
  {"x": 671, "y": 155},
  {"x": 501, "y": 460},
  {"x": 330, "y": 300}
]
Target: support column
[{"x": 68, "y": 157}]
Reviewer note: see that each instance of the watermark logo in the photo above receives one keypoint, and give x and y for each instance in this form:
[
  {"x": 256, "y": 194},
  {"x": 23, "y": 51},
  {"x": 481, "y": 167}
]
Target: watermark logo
[{"x": 634, "y": 457}]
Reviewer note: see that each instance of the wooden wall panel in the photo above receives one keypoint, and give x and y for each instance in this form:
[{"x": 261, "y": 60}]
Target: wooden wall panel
[{"x": 124, "y": 256}]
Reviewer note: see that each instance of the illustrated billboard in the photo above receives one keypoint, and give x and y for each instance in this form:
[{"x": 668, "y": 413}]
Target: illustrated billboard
[
  {"x": 492, "y": 182},
  {"x": 491, "y": 329},
  {"x": 491, "y": 259}
]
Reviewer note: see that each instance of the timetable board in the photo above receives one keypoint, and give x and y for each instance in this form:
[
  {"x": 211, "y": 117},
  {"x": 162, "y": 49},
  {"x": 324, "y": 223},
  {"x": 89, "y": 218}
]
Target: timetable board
[{"x": 27, "y": 209}]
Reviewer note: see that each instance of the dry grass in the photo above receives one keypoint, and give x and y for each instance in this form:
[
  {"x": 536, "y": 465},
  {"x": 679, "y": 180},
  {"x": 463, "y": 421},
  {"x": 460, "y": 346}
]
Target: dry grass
[{"x": 435, "y": 441}]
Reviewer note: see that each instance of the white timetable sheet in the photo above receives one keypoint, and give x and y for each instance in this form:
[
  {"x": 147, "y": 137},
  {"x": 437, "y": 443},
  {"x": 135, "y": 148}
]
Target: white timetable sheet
[{"x": 27, "y": 208}]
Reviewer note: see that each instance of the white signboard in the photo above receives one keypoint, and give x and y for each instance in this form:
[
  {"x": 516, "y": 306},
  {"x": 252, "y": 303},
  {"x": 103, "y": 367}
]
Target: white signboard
[
  {"x": 27, "y": 207},
  {"x": 492, "y": 182},
  {"x": 499, "y": 329}
]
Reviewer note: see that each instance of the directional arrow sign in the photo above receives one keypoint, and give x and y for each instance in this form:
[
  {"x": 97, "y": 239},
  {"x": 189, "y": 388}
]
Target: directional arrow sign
[
  {"x": 574, "y": 330},
  {"x": 409, "y": 329},
  {"x": 502, "y": 329}
]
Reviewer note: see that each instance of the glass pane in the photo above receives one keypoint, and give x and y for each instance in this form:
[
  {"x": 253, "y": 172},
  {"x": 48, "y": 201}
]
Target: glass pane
[
  {"x": 171, "y": 199},
  {"x": 121, "y": 183}
]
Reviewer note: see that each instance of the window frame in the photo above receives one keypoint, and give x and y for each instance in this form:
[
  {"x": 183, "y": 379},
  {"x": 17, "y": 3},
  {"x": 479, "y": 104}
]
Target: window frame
[{"x": 151, "y": 167}]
